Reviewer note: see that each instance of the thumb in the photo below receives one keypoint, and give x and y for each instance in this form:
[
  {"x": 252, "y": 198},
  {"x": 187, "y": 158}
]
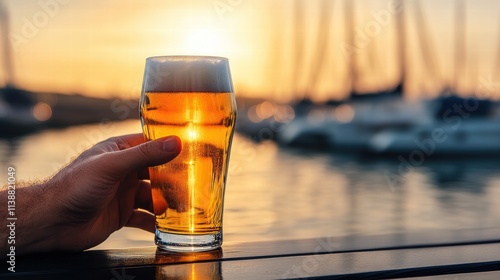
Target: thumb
[{"x": 151, "y": 153}]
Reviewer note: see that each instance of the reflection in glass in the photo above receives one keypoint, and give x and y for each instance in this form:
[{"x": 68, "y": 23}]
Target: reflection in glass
[{"x": 193, "y": 266}]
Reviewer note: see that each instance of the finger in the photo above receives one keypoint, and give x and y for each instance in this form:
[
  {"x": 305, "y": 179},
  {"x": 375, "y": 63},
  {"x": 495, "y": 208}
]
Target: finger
[
  {"x": 127, "y": 141},
  {"x": 159, "y": 202},
  {"x": 143, "y": 220},
  {"x": 143, "y": 196},
  {"x": 116, "y": 143},
  {"x": 138, "y": 157}
]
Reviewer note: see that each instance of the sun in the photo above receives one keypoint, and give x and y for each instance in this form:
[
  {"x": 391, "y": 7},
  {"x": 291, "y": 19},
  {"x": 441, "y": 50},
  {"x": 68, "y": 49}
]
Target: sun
[{"x": 205, "y": 40}]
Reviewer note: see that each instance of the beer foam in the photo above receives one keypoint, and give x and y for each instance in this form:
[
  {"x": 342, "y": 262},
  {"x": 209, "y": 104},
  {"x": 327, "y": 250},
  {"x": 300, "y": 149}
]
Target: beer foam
[{"x": 187, "y": 74}]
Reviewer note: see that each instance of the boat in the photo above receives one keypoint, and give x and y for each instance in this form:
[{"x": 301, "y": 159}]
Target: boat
[
  {"x": 23, "y": 112},
  {"x": 474, "y": 132},
  {"x": 475, "y": 137}
]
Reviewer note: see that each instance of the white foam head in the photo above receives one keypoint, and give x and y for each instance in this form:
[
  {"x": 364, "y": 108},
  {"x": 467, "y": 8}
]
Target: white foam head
[{"x": 187, "y": 74}]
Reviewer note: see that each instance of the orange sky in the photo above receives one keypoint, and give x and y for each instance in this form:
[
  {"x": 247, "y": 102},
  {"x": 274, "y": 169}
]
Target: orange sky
[{"x": 98, "y": 47}]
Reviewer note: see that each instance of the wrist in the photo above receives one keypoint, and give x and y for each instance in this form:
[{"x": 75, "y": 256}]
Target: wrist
[{"x": 37, "y": 227}]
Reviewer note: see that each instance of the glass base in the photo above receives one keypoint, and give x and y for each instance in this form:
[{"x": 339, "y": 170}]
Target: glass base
[{"x": 188, "y": 243}]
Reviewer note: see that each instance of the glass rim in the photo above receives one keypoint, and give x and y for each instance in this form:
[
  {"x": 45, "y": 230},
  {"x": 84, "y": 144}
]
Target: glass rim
[{"x": 186, "y": 57}]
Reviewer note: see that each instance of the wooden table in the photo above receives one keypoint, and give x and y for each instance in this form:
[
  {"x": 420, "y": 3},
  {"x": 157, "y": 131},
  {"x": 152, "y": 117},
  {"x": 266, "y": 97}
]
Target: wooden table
[{"x": 466, "y": 254}]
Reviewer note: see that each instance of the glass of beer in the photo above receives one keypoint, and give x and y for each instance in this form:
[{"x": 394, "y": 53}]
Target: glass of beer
[{"x": 191, "y": 97}]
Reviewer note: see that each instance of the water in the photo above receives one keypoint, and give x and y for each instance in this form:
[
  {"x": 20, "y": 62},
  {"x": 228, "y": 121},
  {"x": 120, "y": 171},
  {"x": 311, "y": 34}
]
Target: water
[{"x": 275, "y": 193}]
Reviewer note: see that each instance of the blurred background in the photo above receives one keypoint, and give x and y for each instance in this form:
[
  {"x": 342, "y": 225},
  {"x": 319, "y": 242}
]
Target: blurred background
[{"x": 354, "y": 116}]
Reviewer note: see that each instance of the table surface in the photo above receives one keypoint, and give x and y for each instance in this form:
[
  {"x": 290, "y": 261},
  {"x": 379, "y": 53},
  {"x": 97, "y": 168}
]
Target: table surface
[{"x": 465, "y": 254}]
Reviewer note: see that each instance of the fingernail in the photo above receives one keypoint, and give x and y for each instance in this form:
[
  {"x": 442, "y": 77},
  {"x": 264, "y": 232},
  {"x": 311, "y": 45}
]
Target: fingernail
[{"x": 170, "y": 144}]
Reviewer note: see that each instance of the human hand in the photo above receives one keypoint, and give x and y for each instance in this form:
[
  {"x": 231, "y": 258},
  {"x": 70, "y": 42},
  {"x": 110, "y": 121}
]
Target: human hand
[{"x": 101, "y": 191}]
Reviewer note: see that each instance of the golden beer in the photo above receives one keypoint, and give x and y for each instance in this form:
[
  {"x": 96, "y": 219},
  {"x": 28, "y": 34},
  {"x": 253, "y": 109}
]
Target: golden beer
[
  {"x": 191, "y": 97},
  {"x": 188, "y": 191}
]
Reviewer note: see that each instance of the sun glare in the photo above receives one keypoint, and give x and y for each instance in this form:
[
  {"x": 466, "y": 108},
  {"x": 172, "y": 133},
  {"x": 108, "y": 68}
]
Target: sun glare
[{"x": 204, "y": 40}]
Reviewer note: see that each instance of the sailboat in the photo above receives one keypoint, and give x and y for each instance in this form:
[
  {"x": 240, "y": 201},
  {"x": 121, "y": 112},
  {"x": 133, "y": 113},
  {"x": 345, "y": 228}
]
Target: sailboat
[
  {"x": 349, "y": 125},
  {"x": 15, "y": 104},
  {"x": 459, "y": 126},
  {"x": 23, "y": 112}
]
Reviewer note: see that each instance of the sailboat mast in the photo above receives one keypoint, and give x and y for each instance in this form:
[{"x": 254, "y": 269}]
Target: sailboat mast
[
  {"x": 401, "y": 45},
  {"x": 6, "y": 46},
  {"x": 322, "y": 38},
  {"x": 352, "y": 58},
  {"x": 496, "y": 69},
  {"x": 298, "y": 54},
  {"x": 430, "y": 61},
  {"x": 460, "y": 33}
]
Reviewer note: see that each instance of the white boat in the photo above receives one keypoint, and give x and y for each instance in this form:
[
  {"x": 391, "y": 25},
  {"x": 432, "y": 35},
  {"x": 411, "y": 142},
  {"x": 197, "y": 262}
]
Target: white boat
[
  {"x": 351, "y": 126},
  {"x": 464, "y": 137},
  {"x": 394, "y": 127}
]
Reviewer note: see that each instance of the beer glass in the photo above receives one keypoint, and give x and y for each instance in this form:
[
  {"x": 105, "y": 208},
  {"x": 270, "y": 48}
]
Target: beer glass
[{"x": 191, "y": 97}]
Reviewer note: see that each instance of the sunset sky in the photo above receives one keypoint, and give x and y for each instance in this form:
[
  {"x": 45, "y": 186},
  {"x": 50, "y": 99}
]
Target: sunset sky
[{"x": 99, "y": 48}]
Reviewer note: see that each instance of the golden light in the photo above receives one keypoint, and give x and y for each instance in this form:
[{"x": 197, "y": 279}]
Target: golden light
[
  {"x": 42, "y": 111},
  {"x": 192, "y": 134},
  {"x": 192, "y": 193},
  {"x": 191, "y": 131},
  {"x": 344, "y": 113},
  {"x": 284, "y": 114},
  {"x": 253, "y": 116},
  {"x": 205, "y": 40},
  {"x": 265, "y": 110}
]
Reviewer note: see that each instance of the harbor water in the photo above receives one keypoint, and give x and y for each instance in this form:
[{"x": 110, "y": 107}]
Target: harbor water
[{"x": 276, "y": 193}]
